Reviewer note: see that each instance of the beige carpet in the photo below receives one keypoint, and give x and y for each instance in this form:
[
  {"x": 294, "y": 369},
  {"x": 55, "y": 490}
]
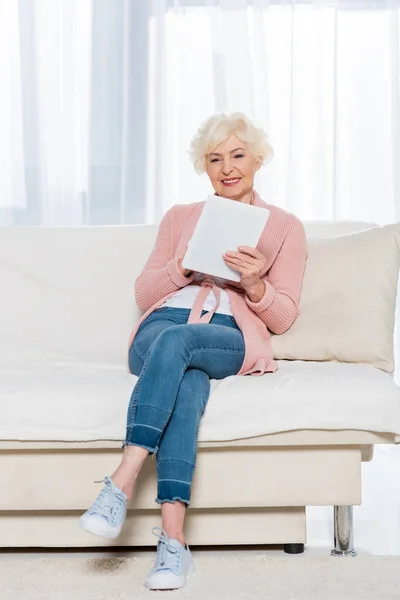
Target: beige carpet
[{"x": 261, "y": 577}]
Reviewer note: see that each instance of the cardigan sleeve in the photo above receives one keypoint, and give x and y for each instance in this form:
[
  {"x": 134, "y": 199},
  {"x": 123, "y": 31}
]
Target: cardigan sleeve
[
  {"x": 161, "y": 274},
  {"x": 279, "y": 306}
]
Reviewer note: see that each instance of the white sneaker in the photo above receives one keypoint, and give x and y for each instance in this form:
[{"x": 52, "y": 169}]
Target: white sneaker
[
  {"x": 173, "y": 564},
  {"x": 107, "y": 514}
]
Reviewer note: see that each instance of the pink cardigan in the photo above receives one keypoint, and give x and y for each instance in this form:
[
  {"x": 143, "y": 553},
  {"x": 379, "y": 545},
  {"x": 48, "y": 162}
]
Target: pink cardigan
[{"x": 283, "y": 243}]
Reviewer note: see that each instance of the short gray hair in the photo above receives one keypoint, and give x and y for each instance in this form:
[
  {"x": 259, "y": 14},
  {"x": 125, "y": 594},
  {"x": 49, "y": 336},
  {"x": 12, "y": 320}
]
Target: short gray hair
[{"x": 218, "y": 128}]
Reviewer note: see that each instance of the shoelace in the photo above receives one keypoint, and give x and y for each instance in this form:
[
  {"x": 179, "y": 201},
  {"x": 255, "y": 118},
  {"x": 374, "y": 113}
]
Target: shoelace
[
  {"x": 108, "y": 502},
  {"x": 168, "y": 557}
]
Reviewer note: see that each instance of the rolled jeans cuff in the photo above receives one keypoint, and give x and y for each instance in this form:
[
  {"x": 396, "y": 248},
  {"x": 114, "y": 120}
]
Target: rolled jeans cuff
[
  {"x": 171, "y": 490},
  {"x": 145, "y": 436}
]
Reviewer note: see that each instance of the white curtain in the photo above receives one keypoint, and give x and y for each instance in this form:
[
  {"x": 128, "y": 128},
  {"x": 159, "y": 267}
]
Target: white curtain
[{"x": 100, "y": 98}]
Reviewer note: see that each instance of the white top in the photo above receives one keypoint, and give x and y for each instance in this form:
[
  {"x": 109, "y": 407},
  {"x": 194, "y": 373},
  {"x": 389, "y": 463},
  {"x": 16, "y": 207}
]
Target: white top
[{"x": 185, "y": 297}]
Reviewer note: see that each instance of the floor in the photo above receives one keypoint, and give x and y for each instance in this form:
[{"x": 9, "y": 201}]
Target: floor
[{"x": 200, "y": 551}]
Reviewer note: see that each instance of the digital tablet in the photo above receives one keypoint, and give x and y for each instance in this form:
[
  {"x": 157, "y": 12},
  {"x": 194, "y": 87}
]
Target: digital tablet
[{"x": 222, "y": 226}]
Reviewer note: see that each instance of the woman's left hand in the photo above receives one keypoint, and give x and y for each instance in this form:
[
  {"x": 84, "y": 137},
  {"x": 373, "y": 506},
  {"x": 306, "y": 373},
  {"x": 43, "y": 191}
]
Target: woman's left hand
[{"x": 249, "y": 262}]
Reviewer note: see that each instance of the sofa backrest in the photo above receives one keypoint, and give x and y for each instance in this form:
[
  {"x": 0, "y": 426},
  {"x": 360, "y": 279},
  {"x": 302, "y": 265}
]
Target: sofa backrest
[{"x": 67, "y": 294}]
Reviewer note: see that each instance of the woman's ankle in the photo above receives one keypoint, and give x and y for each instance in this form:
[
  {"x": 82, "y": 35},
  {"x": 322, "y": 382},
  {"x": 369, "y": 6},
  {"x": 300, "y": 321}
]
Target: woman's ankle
[
  {"x": 181, "y": 539},
  {"x": 173, "y": 519},
  {"x": 124, "y": 481},
  {"x": 176, "y": 535}
]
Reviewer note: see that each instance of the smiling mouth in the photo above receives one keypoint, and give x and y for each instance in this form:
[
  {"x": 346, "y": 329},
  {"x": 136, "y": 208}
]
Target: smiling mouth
[{"x": 230, "y": 182}]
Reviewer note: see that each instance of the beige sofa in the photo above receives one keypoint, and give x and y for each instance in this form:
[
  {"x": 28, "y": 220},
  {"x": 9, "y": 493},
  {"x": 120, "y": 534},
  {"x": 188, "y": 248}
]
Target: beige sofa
[{"x": 268, "y": 446}]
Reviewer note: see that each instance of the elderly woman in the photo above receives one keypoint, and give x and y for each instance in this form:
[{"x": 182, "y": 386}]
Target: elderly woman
[{"x": 175, "y": 355}]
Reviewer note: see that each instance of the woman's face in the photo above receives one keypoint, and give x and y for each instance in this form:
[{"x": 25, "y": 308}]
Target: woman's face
[{"x": 231, "y": 169}]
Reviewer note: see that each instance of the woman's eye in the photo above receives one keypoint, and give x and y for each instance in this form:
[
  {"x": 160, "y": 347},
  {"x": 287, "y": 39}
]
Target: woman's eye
[
  {"x": 239, "y": 155},
  {"x": 214, "y": 160}
]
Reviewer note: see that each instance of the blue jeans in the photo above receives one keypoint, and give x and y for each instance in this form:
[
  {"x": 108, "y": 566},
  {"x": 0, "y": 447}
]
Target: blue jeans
[{"x": 175, "y": 361}]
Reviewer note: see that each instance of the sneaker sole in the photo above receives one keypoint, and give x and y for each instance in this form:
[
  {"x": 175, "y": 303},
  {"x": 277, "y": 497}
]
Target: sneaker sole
[
  {"x": 166, "y": 587},
  {"x": 99, "y": 529}
]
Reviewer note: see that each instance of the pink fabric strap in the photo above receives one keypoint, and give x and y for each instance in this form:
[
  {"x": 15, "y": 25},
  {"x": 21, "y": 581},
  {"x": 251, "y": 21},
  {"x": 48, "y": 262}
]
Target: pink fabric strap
[{"x": 206, "y": 286}]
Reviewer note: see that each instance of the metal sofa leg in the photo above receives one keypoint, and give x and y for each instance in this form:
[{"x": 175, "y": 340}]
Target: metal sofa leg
[{"x": 343, "y": 531}]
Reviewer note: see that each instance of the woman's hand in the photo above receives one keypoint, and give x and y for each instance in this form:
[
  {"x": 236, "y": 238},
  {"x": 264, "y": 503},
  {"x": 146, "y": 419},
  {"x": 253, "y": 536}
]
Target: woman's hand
[{"x": 250, "y": 263}]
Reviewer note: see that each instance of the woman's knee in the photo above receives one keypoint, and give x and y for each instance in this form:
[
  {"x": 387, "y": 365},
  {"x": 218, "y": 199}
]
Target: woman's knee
[
  {"x": 135, "y": 361},
  {"x": 173, "y": 340},
  {"x": 144, "y": 342}
]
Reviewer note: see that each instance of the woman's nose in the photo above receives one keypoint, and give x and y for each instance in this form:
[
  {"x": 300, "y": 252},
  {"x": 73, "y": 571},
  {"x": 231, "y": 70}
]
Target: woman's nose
[{"x": 226, "y": 169}]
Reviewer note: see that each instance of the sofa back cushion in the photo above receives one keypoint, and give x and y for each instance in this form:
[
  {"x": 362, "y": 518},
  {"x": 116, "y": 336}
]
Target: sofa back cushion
[
  {"x": 67, "y": 294},
  {"x": 348, "y": 300}
]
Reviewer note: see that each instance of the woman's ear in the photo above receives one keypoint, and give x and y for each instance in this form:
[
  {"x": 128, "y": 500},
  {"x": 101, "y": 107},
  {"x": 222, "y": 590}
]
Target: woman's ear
[{"x": 258, "y": 165}]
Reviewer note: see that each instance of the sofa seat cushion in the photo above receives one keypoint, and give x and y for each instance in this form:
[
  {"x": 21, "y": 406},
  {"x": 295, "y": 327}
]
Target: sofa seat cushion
[{"x": 86, "y": 402}]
